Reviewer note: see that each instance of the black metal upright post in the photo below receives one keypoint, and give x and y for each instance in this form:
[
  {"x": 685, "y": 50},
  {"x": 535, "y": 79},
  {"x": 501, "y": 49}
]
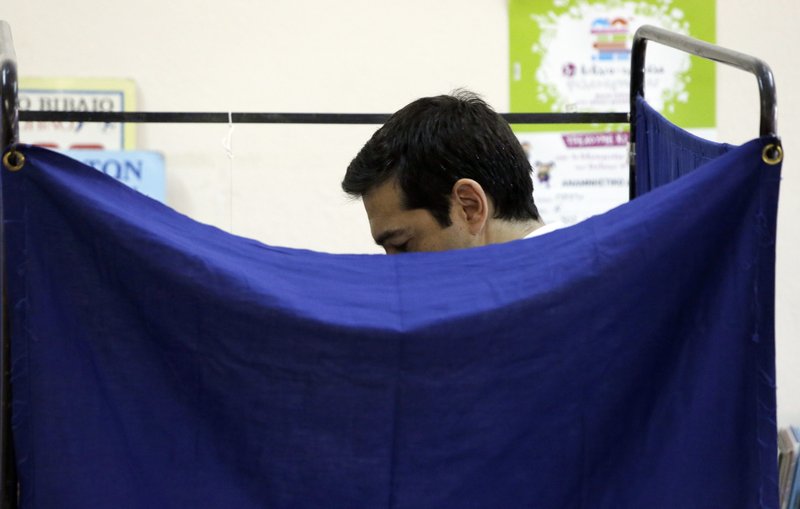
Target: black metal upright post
[
  {"x": 9, "y": 134},
  {"x": 637, "y": 88}
]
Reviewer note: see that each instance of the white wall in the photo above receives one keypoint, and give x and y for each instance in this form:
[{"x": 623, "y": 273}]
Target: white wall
[
  {"x": 353, "y": 56},
  {"x": 767, "y": 29}
]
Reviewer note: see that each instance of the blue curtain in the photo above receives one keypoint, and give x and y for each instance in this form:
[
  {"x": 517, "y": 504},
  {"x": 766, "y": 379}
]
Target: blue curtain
[
  {"x": 665, "y": 152},
  {"x": 624, "y": 362}
]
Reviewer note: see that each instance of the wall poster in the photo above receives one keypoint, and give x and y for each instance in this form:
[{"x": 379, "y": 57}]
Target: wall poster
[
  {"x": 105, "y": 146},
  {"x": 78, "y": 94},
  {"x": 574, "y": 56}
]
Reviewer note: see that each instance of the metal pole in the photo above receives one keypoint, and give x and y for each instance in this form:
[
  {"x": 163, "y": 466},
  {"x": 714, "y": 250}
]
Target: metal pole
[
  {"x": 9, "y": 134},
  {"x": 293, "y": 118}
]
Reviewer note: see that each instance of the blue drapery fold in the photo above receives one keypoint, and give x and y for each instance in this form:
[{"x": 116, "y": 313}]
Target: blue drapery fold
[
  {"x": 624, "y": 362},
  {"x": 665, "y": 151}
]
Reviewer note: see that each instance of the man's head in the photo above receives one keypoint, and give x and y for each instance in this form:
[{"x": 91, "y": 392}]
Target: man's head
[{"x": 443, "y": 173}]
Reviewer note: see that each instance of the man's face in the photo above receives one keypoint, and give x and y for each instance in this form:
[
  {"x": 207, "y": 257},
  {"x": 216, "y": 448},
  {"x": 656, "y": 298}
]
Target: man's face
[{"x": 398, "y": 230}]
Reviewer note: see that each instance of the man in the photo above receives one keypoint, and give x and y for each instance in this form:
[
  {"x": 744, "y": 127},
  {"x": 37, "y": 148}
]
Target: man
[{"x": 444, "y": 173}]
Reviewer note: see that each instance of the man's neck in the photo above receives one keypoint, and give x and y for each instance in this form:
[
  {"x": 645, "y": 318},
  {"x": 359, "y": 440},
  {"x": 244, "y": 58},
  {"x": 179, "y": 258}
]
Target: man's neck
[{"x": 499, "y": 230}]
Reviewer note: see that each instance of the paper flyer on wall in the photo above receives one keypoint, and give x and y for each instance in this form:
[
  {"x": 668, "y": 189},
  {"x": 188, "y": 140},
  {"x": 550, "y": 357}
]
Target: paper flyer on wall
[
  {"x": 574, "y": 55},
  {"x": 141, "y": 170},
  {"x": 78, "y": 94},
  {"x": 106, "y": 146}
]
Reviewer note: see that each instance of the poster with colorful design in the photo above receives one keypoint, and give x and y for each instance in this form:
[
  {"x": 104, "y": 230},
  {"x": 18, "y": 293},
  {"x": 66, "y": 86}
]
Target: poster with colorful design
[{"x": 574, "y": 56}]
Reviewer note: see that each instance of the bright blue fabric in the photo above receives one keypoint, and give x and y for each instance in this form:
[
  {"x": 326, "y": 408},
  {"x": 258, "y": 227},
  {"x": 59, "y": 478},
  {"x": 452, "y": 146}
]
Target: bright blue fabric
[
  {"x": 624, "y": 362},
  {"x": 665, "y": 152}
]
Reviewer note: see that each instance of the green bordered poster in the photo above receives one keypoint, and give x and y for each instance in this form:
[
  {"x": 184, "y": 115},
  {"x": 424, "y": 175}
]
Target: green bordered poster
[{"x": 574, "y": 56}]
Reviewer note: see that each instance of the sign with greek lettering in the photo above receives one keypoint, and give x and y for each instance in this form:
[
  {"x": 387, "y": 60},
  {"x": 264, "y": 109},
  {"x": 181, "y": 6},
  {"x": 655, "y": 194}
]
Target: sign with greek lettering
[
  {"x": 138, "y": 169},
  {"x": 574, "y": 56},
  {"x": 78, "y": 94},
  {"x": 576, "y": 175}
]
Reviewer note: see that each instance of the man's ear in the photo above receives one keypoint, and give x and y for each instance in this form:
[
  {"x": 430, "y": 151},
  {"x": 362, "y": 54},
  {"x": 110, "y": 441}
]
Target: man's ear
[{"x": 470, "y": 204}]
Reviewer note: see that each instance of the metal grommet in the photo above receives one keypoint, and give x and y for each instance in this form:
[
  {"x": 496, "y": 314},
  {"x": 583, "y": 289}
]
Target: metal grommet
[
  {"x": 14, "y": 160},
  {"x": 772, "y": 154}
]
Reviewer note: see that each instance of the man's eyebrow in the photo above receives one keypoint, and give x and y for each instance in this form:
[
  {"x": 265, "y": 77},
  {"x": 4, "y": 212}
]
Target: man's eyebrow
[{"x": 381, "y": 240}]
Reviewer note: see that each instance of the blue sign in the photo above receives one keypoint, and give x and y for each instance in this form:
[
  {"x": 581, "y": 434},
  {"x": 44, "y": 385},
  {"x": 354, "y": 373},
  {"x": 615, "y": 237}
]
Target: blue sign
[{"x": 139, "y": 169}]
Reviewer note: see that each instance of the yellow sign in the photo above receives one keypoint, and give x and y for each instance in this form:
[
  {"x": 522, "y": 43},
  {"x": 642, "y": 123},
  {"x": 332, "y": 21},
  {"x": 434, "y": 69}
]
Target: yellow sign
[{"x": 78, "y": 94}]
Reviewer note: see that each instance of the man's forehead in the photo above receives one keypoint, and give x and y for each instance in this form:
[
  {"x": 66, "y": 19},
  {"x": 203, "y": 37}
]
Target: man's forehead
[
  {"x": 383, "y": 201},
  {"x": 385, "y": 209},
  {"x": 386, "y": 196}
]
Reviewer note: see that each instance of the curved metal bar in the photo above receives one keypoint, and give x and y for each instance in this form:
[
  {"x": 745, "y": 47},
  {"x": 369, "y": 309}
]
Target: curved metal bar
[
  {"x": 753, "y": 65},
  {"x": 9, "y": 134}
]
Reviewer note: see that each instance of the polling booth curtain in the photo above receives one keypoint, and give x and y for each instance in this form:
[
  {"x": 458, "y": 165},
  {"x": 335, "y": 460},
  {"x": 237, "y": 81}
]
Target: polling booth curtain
[
  {"x": 623, "y": 362},
  {"x": 665, "y": 152}
]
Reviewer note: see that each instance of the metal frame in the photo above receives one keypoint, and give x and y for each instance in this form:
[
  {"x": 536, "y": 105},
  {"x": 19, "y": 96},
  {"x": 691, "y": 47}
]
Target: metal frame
[
  {"x": 296, "y": 118},
  {"x": 753, "y": 65},
  {"x": 9, "y": 133}
]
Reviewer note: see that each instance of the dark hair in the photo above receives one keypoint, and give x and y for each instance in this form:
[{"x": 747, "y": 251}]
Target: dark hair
[{"x": 434, "y": 141}]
